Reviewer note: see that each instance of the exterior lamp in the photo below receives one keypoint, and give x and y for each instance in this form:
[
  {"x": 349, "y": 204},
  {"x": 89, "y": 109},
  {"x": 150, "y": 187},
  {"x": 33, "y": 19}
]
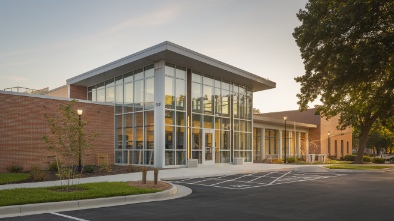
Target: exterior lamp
[
  {"x": 79, "y": 111},
  {"x": 328, "y": 140},
  {"x": 285, "y": 118}
]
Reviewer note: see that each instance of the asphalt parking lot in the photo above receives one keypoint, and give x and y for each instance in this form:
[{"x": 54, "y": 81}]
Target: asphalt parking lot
[
  {"x": 280, "y": 195},
  {"x": 255, "y": 180}
]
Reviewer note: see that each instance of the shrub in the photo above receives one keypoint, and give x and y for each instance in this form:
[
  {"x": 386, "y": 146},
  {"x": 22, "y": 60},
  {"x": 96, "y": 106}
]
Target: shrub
[
  {"x": 53, "y": 167},
  {"x": 291, "y": 160},
  {"x": 366, "y": 159},
  {"x": 378, "y": 160},
  {"x": 332, "y": 157},
  {"x": 349, "y": 158},
  {"x": 104, "y": 167},
  {"x": 37, "y": 174},
  {"x": 15, "y": 169},
  {"x": 89, "y": 169},
  {"x": 277, "y": 161}
]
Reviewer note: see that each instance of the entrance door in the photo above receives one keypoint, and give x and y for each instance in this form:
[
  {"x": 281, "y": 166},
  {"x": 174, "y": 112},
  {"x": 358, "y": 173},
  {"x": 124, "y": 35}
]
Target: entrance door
[{"x": 208, "y": 148}]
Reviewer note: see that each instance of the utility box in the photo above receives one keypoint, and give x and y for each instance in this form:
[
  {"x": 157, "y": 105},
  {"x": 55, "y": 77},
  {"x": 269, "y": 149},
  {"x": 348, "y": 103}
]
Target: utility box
[{"x": 239, "y": 161}]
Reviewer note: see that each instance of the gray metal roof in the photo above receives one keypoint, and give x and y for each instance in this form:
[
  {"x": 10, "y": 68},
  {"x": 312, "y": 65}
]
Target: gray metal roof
[
  {"x": 177, "y": 54},
  {"x": 261, "y": 119}
]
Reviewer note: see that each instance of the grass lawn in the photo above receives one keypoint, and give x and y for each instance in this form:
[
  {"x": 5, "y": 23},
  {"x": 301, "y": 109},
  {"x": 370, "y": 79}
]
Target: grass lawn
[
  {"x": 13, "y": 177},
  {"x": 356, "y": 167},
  {"x": 55, "y": 194}
]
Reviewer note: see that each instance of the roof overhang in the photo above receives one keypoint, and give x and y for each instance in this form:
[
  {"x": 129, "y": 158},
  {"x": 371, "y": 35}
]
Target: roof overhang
[
  {"x": 273, "y": 121},
  {"x": 173, "y": 53}
]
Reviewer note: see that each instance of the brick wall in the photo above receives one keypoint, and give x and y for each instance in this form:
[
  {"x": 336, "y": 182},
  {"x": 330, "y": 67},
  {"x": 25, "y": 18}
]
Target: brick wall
[
  {"x": 22, "y": 124},
  {"x": 318, "y": 138},
  {"x": 78, "y": 92},
  {"x": 59, "y": 92}
]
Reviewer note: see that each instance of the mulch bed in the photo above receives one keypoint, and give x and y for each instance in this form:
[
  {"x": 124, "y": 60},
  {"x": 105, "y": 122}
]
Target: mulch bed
[
  {"x": 150, "y": 185},
  {"x": 46, "y": 175}
]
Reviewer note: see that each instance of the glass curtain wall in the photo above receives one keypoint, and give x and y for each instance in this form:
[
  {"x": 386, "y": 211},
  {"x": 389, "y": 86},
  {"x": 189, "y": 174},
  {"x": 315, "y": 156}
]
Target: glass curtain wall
[
  {"x": 272, "y": 143},
  {"x": 257, "y": 152},
  {"x": 217, "y": 104},
  {"x": 175, "y": 115},
  {"x": 242, "y": 112},
  {"x": 210, "y": 105},
  {"x": 290, "y": 143},
  {"x": 133, "y": 96}
]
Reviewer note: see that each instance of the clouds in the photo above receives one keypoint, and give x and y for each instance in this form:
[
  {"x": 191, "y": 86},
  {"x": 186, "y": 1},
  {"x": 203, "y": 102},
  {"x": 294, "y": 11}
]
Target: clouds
[
  {"x": 160, "y": 16},
  {"x": 16, "y": 79}
]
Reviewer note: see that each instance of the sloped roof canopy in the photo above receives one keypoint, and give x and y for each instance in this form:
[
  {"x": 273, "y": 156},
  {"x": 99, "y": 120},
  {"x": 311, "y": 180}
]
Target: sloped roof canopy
[
  {"x": 257, "y": 118},
  {"x": 176, "y": 54}
]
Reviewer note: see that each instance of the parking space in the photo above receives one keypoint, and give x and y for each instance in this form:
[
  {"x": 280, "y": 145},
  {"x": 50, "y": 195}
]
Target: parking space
[{"x": 255, "y": 180}]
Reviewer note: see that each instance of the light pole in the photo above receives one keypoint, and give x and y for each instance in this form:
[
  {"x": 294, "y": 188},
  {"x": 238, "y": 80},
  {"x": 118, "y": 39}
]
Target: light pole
[
  {"x": 285, "y": 118},
  {"x": 329, "y": 146},
  {"x": 79, "y": 141}
]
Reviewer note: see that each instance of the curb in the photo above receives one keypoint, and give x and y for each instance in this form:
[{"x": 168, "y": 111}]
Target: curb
[{"x": 29, "y": 209}]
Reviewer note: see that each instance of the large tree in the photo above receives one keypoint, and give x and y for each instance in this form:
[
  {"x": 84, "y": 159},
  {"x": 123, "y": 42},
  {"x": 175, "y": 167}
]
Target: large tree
[
  {"x": 348, "y": 52},
  {"x": 380, "y": 138}
]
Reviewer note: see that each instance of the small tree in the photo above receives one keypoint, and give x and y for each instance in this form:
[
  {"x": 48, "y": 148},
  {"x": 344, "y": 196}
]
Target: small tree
[{"x": 68, "y": 139}]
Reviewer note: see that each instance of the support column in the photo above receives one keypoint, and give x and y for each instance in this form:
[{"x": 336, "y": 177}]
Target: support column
[
  {"x": 307, "y": 143},
  {"x": 280, "y": 144},
  {"x": 159, "y": 115},
  {"x": 262, "y": 144},
  {"x": 298, "y": 144}
]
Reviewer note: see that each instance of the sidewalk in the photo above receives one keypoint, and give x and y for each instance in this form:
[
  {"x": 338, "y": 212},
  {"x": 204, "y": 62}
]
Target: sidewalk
[{"x": 168, "y": 174}]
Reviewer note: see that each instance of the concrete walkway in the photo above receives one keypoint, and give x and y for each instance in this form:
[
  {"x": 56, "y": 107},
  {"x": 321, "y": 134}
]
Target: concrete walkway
[{"x": 168, "y": 174}]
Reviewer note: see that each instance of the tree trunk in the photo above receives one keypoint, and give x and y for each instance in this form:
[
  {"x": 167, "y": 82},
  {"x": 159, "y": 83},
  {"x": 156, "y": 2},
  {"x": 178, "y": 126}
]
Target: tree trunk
[{"x": 362, "y": 142}]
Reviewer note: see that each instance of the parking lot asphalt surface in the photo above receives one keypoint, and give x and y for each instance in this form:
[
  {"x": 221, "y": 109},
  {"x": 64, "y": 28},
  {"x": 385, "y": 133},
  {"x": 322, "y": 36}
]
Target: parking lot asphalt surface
[{"x": 277, "y": 195}]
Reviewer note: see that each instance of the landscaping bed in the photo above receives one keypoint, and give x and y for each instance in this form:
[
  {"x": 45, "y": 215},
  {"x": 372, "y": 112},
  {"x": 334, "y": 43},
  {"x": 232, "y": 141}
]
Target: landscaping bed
[
  {"x": 77, "y": 192},
  {"x": 357, "y": 167},
  {"x": 89, "y": 171}
]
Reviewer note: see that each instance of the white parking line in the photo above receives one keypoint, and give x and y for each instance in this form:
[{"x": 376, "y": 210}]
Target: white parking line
[
  {"x": 231, "y": 179},
  {"x": 279, "y": 178},
  {"x": 271, "y": 176},
  {"x": 70, "y": 217},
  {"x": 260, "y": 177}
]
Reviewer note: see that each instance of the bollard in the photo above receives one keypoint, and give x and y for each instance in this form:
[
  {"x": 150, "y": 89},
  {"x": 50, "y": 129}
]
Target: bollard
[
  {"x": 144, "y": 171},
  {"x": 156, "y": 175}
]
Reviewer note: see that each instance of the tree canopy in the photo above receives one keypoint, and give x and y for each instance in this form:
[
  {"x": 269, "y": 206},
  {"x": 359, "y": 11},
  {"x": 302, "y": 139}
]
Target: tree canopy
[{"x": 348, "y": 52}]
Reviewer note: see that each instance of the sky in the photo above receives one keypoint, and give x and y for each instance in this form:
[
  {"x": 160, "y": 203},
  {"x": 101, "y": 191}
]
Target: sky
[{"x": 44, "y": 43}]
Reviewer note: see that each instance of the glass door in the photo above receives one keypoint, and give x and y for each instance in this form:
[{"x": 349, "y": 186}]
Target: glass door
[{"x": 208, "y": 149}]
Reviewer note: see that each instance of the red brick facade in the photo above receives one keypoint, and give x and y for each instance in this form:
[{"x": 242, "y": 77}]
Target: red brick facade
[
  {"x": 78, "y": 92},
  {"x": 22, "y": 124},
  {"x": 318, "y": 138}
]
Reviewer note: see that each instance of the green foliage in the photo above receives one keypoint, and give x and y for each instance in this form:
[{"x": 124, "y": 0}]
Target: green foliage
[
  {"x": 378, "y": 160},
  {"x": 13, "y": 177},
  {"x": 37, "y": 174},
  {"x": 366, "y": 159},
  {"x": 277, "y": 161},
  {"x": 68, "y": 139},
  {"x": 15, "y": 168},
  {"x": 381, "y": 137},
  {"x": 89, "y": 169},
  {"x": 348, "y": 52},
  {"x": 355, "y": 167},
  {"x": 291, "y": 160},
  {"x": 105, "y": 167},
  {"x": 55, "y": 194},
  {"x": 349, "y": 157},
  {"x": 53, "y": 167}
]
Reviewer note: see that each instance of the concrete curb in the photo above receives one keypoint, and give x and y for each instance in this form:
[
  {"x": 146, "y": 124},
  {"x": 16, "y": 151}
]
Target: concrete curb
[{"x": 29, "y": 209}]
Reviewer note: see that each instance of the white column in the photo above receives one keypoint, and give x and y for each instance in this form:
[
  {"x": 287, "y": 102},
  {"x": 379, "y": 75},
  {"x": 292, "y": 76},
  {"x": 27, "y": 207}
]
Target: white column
[
  {"x": 262, "y": 144},
  {"x": 280, "y": 144},
  {"x": 159, "y": 114},
  {"x": 298, "y": 144},
  {"x": 307, "y": 143}
]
